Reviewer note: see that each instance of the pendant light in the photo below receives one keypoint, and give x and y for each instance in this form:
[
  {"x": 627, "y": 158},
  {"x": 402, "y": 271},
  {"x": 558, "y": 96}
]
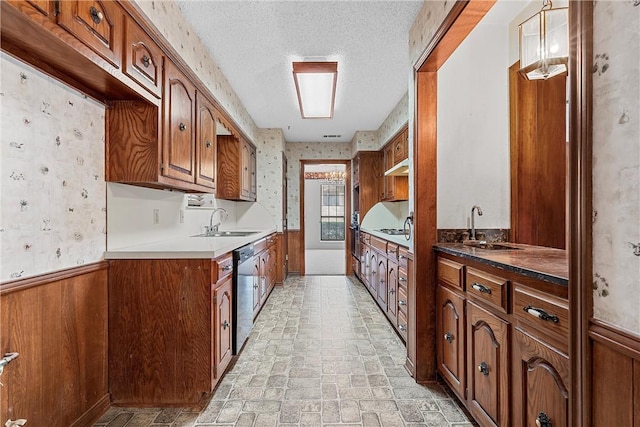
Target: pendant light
[{"x": 544, "y": 43}]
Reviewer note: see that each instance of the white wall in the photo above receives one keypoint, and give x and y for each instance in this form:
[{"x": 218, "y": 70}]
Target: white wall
[
  {"x": 473, "y": 130},
  {"x": 312, "y": 202}
]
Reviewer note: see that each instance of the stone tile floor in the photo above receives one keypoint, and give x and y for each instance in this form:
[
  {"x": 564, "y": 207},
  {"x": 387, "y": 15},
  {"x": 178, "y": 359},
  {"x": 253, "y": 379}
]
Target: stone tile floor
[{"x": 321, "y": 353}]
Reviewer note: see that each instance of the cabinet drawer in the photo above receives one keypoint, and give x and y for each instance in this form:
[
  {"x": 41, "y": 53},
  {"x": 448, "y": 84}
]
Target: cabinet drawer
[
  {"x": 403, "y": 256},
  {"x": 488, "y": 288},
  {"x": 403, "y": 279},
  {"x": 450, "y": 272},
  {"x": 143, "y": 58},
  {"x": 259, "y": 246},
  {"x": 402, "y": 300},
  {"x": 402, "y": 325},
  {"x": 222, "y": 267},
  {"x": 379, "y": 244},
  {"x": 548, "y": 314}
]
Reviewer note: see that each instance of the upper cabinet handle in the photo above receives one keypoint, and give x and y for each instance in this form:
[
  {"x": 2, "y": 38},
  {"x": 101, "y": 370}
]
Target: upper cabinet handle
[
  {"x": 96, "y": 15},
  {"x": 146, "y": 61},
  {"x": 183, "y": 127}
]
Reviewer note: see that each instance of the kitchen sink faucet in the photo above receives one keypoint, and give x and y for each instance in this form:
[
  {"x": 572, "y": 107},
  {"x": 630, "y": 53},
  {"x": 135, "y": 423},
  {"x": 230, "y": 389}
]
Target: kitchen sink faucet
[
  {"x": 214, "y": 228},
  {"x": 473, "y": 225}
]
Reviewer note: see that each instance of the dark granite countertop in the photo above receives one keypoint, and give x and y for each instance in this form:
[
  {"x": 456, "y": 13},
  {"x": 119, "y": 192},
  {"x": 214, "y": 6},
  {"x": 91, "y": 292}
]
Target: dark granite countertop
[{"x": 548, "y": 264}]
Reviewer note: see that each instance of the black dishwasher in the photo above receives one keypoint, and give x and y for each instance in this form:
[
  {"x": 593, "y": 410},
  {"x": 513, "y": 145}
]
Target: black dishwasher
[{"x": 243, "y": 281}]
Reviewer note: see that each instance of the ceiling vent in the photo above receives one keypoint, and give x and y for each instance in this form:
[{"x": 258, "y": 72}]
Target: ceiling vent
[{"x": 332, "y": 136}]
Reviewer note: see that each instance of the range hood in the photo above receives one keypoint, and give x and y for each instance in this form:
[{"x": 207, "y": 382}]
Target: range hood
[{"x": 401, "y": 169}]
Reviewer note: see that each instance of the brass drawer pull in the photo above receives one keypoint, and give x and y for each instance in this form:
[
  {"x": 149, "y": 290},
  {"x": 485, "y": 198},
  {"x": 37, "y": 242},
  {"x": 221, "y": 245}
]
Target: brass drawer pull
[
  {"x": 402, "y": 279},
  {"x": 402, "y": 257},
  {"x": 541, "y": 314},
  {"x": 402, "y": 302},
  {"x": 448, "y": 337},
  {"x": 543, "y": 420},
  {"x": 481, "y": 288},
  {"x": 403, "y": 328},
  {"x": 227, "y": 267},
  {"x": 483, "y": 368}
]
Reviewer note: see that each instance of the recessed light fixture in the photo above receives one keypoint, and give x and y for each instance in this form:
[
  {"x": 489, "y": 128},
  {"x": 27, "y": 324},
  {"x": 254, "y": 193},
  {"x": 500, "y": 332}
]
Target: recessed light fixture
[{"x": 316, "y": 88}]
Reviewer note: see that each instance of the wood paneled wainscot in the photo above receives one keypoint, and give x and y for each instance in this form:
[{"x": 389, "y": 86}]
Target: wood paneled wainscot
[
  {"x": 169, "y": 330},
  {"x": 502, "y": 343},
  {"x": 57, "y": 322}
]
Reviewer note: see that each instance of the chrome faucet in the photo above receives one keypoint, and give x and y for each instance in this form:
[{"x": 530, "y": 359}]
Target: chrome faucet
[
  {"x": 473, "y": 225},
  {"x": 214, "y": 228}
]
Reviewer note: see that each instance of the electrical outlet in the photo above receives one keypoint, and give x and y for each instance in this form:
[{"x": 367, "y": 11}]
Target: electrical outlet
[
  {"x": 181, "y": 216},
  {"x": 156, "y": 216}
]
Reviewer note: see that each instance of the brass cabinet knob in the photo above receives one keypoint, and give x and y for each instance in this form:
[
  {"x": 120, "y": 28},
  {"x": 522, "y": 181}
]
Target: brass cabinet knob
[
  {"x": 543, "y": 420},
  {"x": 182, "y": 127},
  {"x": 483, "y": 368},
  {"x": 96, "y": 15},
  {"x": 448, "y": 337},
  {"x": 146, "y": 61}
]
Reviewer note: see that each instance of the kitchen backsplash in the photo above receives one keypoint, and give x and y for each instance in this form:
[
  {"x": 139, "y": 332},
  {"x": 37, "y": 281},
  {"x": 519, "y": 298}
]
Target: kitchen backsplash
[
  {"x": 449, "y": 235},
  {"x": 53, "y": 211},
  {"x": 616, "y": 163},
  {"x": 297, "y": 151}
]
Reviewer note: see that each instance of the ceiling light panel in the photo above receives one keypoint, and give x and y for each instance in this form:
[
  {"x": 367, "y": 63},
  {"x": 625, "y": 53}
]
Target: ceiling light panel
[{"x": 316, "y": 88}]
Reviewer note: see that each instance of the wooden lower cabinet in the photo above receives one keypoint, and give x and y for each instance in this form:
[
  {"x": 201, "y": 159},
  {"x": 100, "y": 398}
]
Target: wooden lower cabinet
[
  {"x": 392, "y": 291},
  {"x": 222, "y": 337},
  {"x": 488, "y": 366},
  {"x": 381, "y": 282},
  {"x": 450, "y": 321},
  {"x": 168, "y": 340},
  {"x": 541, "y": 383},
  {"x": 506, "y": 363}
]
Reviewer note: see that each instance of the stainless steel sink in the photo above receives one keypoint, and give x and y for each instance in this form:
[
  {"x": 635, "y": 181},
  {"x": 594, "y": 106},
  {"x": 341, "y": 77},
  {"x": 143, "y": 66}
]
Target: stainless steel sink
[
  {"x": 227, "y": 234},
  {"x": 491, "y": 246}
]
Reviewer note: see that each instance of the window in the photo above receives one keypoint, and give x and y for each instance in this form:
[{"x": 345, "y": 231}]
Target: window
[{"x": 332, "y": 226}]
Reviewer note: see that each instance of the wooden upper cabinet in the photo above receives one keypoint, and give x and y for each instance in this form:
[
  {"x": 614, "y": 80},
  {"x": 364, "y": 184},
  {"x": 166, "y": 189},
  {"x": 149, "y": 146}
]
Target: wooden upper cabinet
[
  {"x": 142, "y": 58},
  {"x": 400, "y": 147},
  {"x": 179, "y": 130},
  {"x": 97, "y": 24},
  {"x": 236, "y": 165},
  {"x": 44, "y": 8},
  {"x": 205, "y": 142}
]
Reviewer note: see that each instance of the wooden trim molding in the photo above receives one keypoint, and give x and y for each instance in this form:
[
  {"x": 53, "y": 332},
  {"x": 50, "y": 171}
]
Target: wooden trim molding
[
  {"x": 347, "y": 195},
  {"x": 621, "y": 341},
  {"x": 43, "y": 279},
  {"x": 580, "y": 209}
]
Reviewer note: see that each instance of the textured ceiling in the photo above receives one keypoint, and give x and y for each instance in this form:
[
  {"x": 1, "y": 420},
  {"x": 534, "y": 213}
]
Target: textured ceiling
[{"x": 255, "y": 42}]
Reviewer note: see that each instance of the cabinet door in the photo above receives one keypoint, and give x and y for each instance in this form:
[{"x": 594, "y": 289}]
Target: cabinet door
[
  {"x": 365, "y": 269},
  {"x": 450, "y": 339},
  {"x": 401, "y": 147},
  {"x": 179, "y": 130},
  {"x": 39, "y": 7},
  {"x": 97, "y": 24},
  {"x": 392, "y": 295},
  {"x": 373, "y": 277},
  {"x": 541, "y": 376},
  {"x": 264, "y": 276},
  {"x": 253, "y": 187},
  {"x": 488, "y": 367},
  {"x": 245, "y": 162},
  {"x": 205, "y": 143},
  {"x": 222, "y": 328},
  {"x": 383, "y": 290},
  {"x": 142, "y": 58},
  {"x": 256, "y": 284}
]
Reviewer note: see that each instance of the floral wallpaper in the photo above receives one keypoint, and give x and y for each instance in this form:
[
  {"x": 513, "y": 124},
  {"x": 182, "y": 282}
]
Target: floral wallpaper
[
  {"x": 394, "y": 121},
  {"x": 425, "y": 26},
  {"x": 616, "y": 163},
  {"x": 269, "y": 148},
  {"x": 53, "y": 210},
  {"x": 169, "y": 21},
  {"x": 297, "y": 151},
  {"x": 364, "y": 140}
]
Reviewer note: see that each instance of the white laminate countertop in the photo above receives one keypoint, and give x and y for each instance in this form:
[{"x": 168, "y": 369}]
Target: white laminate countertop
[
  {"x": 399, "y": 240},
  {"x": 187, "y": 247}
]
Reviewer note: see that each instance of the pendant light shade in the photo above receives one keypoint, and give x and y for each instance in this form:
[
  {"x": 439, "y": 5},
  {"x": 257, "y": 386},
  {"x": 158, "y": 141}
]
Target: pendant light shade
[{"x": 544, "y": 43}]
